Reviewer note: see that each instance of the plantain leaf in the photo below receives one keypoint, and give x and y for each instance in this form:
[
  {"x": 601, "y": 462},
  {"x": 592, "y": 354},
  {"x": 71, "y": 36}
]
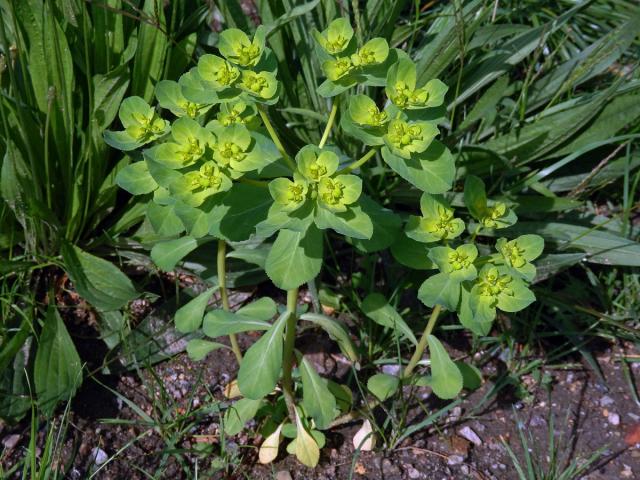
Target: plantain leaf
[
  {"x": 57, "y": 369},
  {"x": 99, "y": 282}
]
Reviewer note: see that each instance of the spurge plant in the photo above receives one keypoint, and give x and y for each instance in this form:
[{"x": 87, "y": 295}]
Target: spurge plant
[{"x": 219, "y": 170}]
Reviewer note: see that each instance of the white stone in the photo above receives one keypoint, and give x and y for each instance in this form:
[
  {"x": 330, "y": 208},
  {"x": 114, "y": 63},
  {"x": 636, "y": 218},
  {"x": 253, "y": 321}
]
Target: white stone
[
  {"x": 99, "y": 456},
  {"x": 469, "y": 434}
]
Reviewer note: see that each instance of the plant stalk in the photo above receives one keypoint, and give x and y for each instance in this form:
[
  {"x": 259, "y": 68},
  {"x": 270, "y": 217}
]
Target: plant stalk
[
  {"x": 422, "y": 344},
  {"x": 274, "y": 136},
  {"x": 222, "y": 283},
  {"x": 358, "y": 163},
  {"x": 327, "y": 130},
  {"x": 288, "y": 352}
]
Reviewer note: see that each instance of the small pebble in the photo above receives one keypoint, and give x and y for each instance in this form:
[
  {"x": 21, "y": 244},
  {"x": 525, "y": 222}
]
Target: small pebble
[
  {"x": 465, "y": 470},
  {"x": 283, "y": 475},
  {"x": 391, "y": 370},
  {"x": 468, "y": 434},
  {"x": 98, "y": 456},
  {"x": 537, "y": 421},
  {"x": 606, "y": 401},
  {"x": 626, "y": 472},
  {"x": 614, "y": 418},
  {"x": 456, "y": 413},
  {"x": 10, "y": 441},
  {"x": 455, "y": 460},
  {"x": 413, "y": 473}
]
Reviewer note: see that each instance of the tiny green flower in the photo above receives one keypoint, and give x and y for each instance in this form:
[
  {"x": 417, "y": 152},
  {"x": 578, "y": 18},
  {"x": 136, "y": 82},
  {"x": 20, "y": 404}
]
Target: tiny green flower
[
  {"x": 236, "y": 112},
  {"x": 374, "y": 52},
  {"x": 169, "y": 95},
  {"x": 141, "y": 121},
  {"x": 496, "y": 288},
  {"x": 337, "y": 192},
  {"x": 401, "y": 87},
  {"x": 456, "y": 266},
  {"x": 494, "y": 215},
  {"x": 217, "y": 72},
  {"x": 404, "y": 138},
  {"x": 196, "y": 186},
  {"x": 263, "y": 84},
  {"x": 519, "y": 253},
  {"x": 189, "y": 141},
  {"x": 315, "y": 164},
  {"x": 236, "y": 47},
  {"x": 338, "y": 68},
  {"x": 365, "y": 112},
  {"x": 437, "y": 222},
  {"x": 490, "y": 214},
  {"x": 289, "y": 194},
  {"x": 233, "y": 145},
  {"x": 335, "y": 39},
  {"x": 457, "y": 263}
]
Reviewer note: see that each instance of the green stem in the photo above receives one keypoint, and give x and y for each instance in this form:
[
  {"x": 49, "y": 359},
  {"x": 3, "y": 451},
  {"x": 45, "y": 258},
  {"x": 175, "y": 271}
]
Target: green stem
[
  {"x": 475, "y": 233},
  {"x": 275, "y": 138},
  {"x": 222, "y": 283},
  {"x": 327, "y": 130},
  {"x": 288, "y": 351},
  {"x": 257, "y": 183},
  {"x": 358, "y": 163},
  {"x": 422, "y": 344}
]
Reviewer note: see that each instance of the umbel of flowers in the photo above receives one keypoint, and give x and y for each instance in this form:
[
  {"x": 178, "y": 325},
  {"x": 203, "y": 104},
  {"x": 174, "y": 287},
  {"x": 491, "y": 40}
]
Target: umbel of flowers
[{"x": 218, "y": 169}]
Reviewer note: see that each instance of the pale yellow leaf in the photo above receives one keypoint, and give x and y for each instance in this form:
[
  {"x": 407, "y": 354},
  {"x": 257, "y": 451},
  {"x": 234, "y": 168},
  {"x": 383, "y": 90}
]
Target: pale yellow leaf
[
  {"x": 269, "y": 448},
  {"x": 364, "y": 439},
  {"x": 307, "y": 450}
]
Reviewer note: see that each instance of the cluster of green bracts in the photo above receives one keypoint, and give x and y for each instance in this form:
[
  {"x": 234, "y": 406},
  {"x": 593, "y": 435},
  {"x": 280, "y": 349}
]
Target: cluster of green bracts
[{"x": 220, "y": 170}]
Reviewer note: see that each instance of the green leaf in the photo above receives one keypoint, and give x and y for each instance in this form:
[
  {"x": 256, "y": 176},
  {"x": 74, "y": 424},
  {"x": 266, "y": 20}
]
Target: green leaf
[
  {"x": 260, "y": 368},
  {"x": 383, "y": 386},
  {"x": 317, "y": 400},
  {"x": 376, "y": 307},
  {"x": 471, "y": 375},
  {"x": 521, "y": 297},
  {"x": 136, "y": 179},
  {"x": 411, "y": 253},
  {"x": 14, "y": 383},
  {"x": 220, "y": 322},
  {"x": 240, "y": 413},
  {"x": 295, "y": 258},
  {"x": 167, "y": 254},
  {"x": 96, "y": 280},
  {"x": 475, "y": 197},
  {"x": 297, "y": 11},
  {"x": 352, "y": 223},
  {"x": 336, "y": 331},
  {"x": 164, "y": 220},
  {"x": 440, "y": 289},
  {"x": 57, "y": 370},
  {"x": 386, "y": 226},
  {"x": 446, "y": 379},
  {"x": 479, "y": 325},
  {"x": 234, "y": 218},
  {"x": 197, "y": 348},
  {"x": 152, "y": 46},
  {"x": 189, "y": 317},
  {"x": 431, "y": 171},
  {"x": 262, "y": 309}
]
